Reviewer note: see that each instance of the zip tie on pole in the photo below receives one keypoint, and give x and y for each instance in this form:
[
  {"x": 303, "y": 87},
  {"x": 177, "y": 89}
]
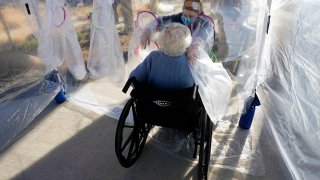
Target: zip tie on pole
[{"x": 28, "y": 9}]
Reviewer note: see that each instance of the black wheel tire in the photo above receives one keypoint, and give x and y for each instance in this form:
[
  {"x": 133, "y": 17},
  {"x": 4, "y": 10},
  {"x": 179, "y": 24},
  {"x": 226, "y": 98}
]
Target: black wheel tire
[
  {"x": 129, "y": 147},
  {"x": 205, "y": 147}
]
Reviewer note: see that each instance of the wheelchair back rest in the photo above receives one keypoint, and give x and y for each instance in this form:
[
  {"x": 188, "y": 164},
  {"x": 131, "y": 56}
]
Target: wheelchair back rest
[{"x": 168, "y": 108}]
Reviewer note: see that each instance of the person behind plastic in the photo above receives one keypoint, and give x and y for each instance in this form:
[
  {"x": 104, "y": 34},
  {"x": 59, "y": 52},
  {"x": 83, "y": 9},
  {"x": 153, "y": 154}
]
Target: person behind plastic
[
  {"x": 168, "y": 67},
  {"x": 127, "y": 14},
  {"x": 203, "y": 35}
]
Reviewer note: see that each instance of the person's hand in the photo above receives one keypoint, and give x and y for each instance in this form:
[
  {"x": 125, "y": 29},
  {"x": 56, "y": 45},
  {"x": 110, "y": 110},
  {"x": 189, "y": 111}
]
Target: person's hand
[
  {"x": 145, "y": 38},
  {"x": 192, "y": 55},
  {"x": 194, "y": 52}
]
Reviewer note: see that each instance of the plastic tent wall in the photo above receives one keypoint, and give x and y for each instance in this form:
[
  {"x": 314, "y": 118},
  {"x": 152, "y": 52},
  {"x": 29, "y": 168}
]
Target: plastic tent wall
[
  {"x": 283, "y": 68},
  {"x": 290, "y": 87},
  {"x": 24, "y": 91}
]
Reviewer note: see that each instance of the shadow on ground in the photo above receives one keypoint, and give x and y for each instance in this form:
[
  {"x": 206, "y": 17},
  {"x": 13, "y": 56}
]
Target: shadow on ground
[{"x": 90, "y": 154}]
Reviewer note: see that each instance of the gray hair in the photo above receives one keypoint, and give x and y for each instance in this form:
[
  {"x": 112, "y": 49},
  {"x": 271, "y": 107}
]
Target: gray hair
[{"x": 174, "y": 39}]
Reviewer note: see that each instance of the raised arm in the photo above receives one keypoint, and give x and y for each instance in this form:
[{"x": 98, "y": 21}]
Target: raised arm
[
  {"x": 151, "y": 28},
  {"x": 202, "y": 38}
]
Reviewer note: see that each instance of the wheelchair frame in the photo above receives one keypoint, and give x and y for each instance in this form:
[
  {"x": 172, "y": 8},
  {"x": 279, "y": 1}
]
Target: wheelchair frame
[{"x": 129, "y": 149}]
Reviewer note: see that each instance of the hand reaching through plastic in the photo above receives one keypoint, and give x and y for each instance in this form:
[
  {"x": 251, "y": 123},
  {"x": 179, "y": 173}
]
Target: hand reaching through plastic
[
  {"x": 192, "y": 55},
  {"x": 145, "y": 38},
  {"x": 195, "y": 51}
]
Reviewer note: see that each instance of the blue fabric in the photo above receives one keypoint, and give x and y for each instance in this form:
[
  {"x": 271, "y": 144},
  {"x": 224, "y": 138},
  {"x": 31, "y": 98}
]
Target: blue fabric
[
  {"x": 164, "y": 20},
  {"x": 247, "y": 118},
  {"x": 186, "y": 21},
  {"x": 164, "y": 72}
]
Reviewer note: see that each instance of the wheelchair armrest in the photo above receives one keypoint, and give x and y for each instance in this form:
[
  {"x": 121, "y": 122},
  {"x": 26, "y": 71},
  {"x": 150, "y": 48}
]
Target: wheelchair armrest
[{"x": 128, "y": 84}]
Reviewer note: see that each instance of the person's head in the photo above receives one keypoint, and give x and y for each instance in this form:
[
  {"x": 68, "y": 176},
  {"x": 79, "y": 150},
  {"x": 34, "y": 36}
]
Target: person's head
[
  {"x": 174, "y": 39},
  {"x": 191, "y": 9}
]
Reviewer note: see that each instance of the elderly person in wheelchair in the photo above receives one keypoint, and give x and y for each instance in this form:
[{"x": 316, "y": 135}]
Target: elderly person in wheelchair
[
  {"x": 164, "y": 94},
  {"x": 167, "y": 68}
]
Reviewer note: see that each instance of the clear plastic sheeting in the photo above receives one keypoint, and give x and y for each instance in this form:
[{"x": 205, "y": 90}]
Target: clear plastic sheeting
[
  {"x": 214, "y": 83},
  {"x": 105, "y": 54},
  {"x": 58, "y": 41},
  {"x": 20, "y": 69},
  {"x": 24, "y": 92},
  {"x": 18, "y": 73},
  {"x": 290, "y": 91},
  {"x": 101, "y": 92},
  {"x": 240, "y": 31},
  {"x": 100, "y": 96},
  {"x": 32, "y": 13},
  {"x": 145, "y": 25},
  {"x": 21, "y": 110},
  {"x": 232, "y": 148},
  {"x": 215, "y": 86}
]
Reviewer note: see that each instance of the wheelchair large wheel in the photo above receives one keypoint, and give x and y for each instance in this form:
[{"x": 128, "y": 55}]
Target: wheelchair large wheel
[
  {"x": 205, "y": 147},
  {"x": 130, "y": 137}
]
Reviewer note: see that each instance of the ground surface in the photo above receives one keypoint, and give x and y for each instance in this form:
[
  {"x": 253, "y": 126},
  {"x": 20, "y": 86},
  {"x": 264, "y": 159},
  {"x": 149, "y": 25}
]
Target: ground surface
[{"x": 70, "y": 142}]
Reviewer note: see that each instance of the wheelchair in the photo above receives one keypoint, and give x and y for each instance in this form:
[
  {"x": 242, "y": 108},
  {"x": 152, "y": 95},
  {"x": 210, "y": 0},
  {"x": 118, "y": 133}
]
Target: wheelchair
[{"x": 179, "y": 109}]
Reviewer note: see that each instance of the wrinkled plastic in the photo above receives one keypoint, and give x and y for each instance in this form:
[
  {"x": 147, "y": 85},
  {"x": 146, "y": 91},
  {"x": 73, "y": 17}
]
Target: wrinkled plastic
[
  {"x": 145, "y": 25},
  {"x": 19, "y": 73},
  {"x": 24, "y": 92},
  {"x": 105, "y": 53},
  {"x": 102, "y": 95},
  {"x": 214, "y": 83},
  {"x": 20, "y": 69},
  {"x": 32, "y": 13},
  {"x": 58, "y": 42},
  {"x": 21, "y": 110},
  {"x": 240, "y": 32},
  {"x": 232, "y": 148},
  {"x": 290, "y": 89}
]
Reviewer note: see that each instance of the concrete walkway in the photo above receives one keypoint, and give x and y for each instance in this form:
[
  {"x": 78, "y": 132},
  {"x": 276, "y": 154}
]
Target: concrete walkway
[{"x": 68, "y": 142}]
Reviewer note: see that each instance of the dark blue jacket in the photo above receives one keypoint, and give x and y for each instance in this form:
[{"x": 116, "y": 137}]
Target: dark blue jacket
[{"x": 164, "y": 72}]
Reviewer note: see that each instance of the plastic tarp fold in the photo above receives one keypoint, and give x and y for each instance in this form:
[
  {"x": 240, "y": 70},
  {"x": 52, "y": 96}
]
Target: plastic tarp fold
[
  {"x": 214, "y": 83},
  {"x": 105, "y": 53},
  {"x": 22, "y": 110},
  {"x": 290, "y": 88},
  {"x": 100, "y": 93},
  {"x": 240, "y": 33},
  {"x": 58, "y": 42},
  {"x": 24, "y": 92}
]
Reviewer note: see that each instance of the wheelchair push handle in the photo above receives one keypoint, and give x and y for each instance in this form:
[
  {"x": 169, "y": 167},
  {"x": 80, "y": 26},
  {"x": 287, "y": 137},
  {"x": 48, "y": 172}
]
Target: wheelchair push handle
[{"x": 128, "y": 84}]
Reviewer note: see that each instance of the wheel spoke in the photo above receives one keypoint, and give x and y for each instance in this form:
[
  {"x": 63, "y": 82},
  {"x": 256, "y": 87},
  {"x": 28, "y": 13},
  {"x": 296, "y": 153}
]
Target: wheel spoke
[
  {"x": 130, "y": 153},
  {"x": 127, "y": 141},
  {"x": 141, "y": 138},
  {"x": 128, "y": 126}
]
